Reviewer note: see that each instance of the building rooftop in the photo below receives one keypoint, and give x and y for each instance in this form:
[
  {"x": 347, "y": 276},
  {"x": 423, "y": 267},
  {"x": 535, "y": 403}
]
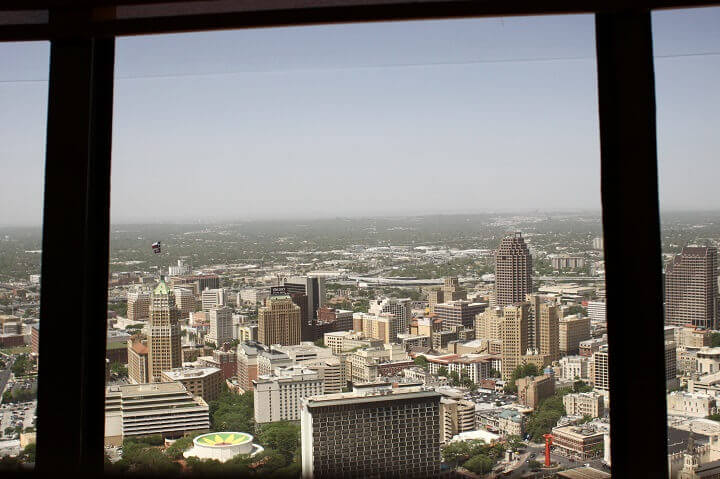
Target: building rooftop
[
  {"x": 584, "y": 473},
  {"x": 178, "y": 374},
  {"x": 365, "y": 396}
]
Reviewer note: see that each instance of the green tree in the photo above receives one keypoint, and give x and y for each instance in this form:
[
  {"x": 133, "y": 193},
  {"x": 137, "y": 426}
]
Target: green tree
[
  {"x": 28, "y": 453},
  {"x": 119, "y": 369},
  {"x": 715, "y": 340},
  {"x": 421, "y": 361},
  {"x": 282, "y": 436},
  {"x": 480, "y": 464},
  {"x": 442, "y": 371}
]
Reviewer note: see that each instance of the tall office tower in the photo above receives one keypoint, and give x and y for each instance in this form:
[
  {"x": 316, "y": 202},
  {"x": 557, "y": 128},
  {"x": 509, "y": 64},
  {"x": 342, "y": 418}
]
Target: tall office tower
[
  {"x": 185, "y": 301},
  {"x": 400, "y": 308},
  {"x": 221, "y": 328},
  {"x": 513, "y": 271},
  {"x": 138, "y": 305},
  {"x": 279, "y": 321},
  {"x": 458, "y": 313},
  {"x": 165, "y": 350},
  {"x": 691, "y": 288},
  {"x": 382, "y": 326},
  {"x": 375, "y": 433},
  {"x": 435, "y": 296},
  {"x": 488, "y": 324},
  {"x": 213, "y": 298},
  {"x": 535, "y": 301},
  {"x": 514, "y": 337},
  {"x": 313, "y": 287},
  {"x": 549, "y": 330},
  {"x": 137, "y": 366}
]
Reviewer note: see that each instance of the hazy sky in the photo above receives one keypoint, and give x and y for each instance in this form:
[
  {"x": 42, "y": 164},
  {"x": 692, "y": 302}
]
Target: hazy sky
[{"x": 390, "y": 118}]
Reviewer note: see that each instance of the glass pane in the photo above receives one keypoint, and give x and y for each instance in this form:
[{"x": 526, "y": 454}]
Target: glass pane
[
  {"x": 311, "y": 217},
  {"x": 23, "y": 118},
  {"x": 687, "y": 70}
]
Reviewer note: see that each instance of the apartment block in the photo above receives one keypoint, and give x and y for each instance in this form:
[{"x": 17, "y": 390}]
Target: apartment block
[
  {"x": 379, "y": 433},
  {"x": 383, "y": 326},
  {"x": 221, "y": 327},
  {"x": 185, "y": 301},
  {"x": 137, "y": 353}
]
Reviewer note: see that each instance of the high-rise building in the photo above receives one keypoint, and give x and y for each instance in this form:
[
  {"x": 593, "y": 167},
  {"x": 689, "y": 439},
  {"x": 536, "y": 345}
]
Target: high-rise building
[
  {"x": 138, "y": 305},
  {"x": 513, "y": 271},
  {"x": 376, "y": 433},
  {"x": 165, "y": 350},
  {"x": 535, "y": 301},
  {"x": 278, "y": 396},
  {"x": 247, "y": 366},
  {"x": 400, "y": 308},
  {"x": 313, "y": 287},
  {"x": 185, "y": 300},
  {"x": 137, "y": 353},
  {"x": 573, "y": 330},
  {"x": 213, "y": 298},
  {"x": 532, "y": 390},
  {"x": 601, "y": 371},
  {"x": 691, "y": 288},
  {"x": 458, "y": 313},
  {"x": 221, "y": 330},
  {"x": 549, "y": 330},
  {"x": 279, "y": 321},
  {"x": 514, "y": 337}
]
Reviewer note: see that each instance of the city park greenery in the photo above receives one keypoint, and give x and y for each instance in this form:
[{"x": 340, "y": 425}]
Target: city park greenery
[
  {"x": 550, "y": 410},
  {"x": 474, "y": 455}
]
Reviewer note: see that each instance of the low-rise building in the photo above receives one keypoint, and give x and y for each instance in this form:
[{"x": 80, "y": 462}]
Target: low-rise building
[
  {"x": 680, "y": 403},
  {"x": 579, "y": 442},
  {"x": 511, "y": 423},
  {"x": 584, "y": 404},
  {"x": 574, "y": 368},
  {"x": 458, "y": 416},
  {"x": 341, "y": 341},
  {"x": 167, "y": 409}
]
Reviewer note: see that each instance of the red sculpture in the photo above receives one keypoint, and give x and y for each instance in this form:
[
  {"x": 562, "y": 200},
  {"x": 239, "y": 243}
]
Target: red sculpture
[{"x": 548, "y": 443}]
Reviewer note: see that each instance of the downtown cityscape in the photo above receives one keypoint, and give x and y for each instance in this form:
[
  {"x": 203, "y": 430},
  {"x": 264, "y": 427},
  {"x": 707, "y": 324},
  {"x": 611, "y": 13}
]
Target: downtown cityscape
[
  {"x": 363, "y": 250},
  {"x": 414, "y": 346}
]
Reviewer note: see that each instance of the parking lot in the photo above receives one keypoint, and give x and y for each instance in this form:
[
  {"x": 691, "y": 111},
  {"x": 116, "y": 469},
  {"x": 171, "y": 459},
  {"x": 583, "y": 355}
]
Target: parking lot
[
  {"x": 498, "y": 399},
  {"x": 14, "y": 415}
]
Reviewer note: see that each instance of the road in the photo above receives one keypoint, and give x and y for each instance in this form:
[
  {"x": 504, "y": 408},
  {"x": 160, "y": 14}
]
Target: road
[{"x": 5, "y": 376}]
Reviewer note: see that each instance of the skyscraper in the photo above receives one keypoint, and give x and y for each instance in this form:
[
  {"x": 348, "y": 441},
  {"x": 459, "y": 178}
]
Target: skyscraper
[
  {"x": 549, "y": 330},
  {"x": 691, "y": 288},
  {"x": 164, "y": 348},
  {"x": 138, "y": 305},
  {"x": 279, "y": 321},
  {"x": 313, "y": 287},
  {"x": 513, "y": 271},
  {"x": 374, "y": 433},
  {"x": 514, "y": 337}
]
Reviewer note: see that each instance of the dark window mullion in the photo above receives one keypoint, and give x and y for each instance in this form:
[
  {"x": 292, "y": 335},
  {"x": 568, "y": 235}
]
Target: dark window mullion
[{"x": 631, "y": 223}]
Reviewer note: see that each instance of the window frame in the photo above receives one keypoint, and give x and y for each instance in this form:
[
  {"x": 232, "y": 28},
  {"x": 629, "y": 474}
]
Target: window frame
[{"x": 77, "y": 197}]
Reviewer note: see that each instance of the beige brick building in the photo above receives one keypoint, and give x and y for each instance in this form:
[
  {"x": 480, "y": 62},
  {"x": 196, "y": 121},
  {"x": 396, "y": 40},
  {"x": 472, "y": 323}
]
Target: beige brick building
[
  {"x": 279, "y": 321},
  {"x": 165, "y": 350},
  {"x": 138, "y": 305},
  {"x": 532, "y": 390},
  {"x": 514, "y": 337},
  {"x": 137, "y": 362},
  {"x": 581, "y": 404}
]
